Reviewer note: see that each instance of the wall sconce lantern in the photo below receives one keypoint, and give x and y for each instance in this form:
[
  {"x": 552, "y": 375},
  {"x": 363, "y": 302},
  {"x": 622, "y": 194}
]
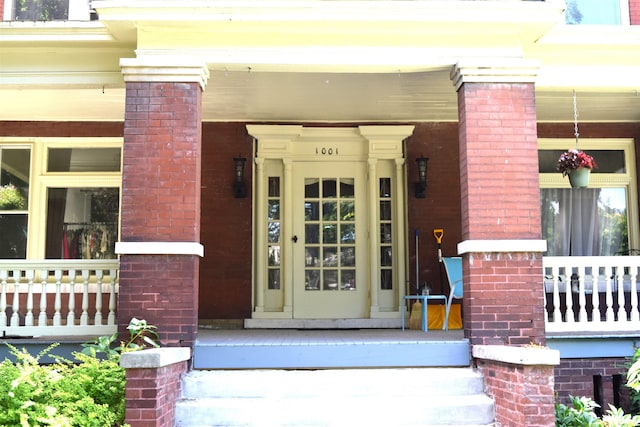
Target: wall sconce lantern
[
  {"x": 421, "y": 185},
  {"x": 239, "y": 188}
]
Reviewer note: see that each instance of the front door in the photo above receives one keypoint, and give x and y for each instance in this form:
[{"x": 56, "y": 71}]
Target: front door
[{"x": 330, "y": 241}]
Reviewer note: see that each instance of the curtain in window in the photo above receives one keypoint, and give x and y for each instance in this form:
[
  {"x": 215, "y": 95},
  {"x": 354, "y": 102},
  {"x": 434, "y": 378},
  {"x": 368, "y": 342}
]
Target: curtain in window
[{"x": 584, "y": 221}]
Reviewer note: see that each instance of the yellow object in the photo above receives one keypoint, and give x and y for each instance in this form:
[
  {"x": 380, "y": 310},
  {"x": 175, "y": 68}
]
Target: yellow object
[
  {"x": 435, "y": 316},
  {"x": 415, "y": 320}
]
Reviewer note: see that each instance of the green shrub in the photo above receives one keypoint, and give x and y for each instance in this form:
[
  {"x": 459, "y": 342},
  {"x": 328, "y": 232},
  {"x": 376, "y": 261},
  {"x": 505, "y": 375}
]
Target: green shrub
[
  {"x": 63, "y": 394},
  {"x": 89, "y": 392}
]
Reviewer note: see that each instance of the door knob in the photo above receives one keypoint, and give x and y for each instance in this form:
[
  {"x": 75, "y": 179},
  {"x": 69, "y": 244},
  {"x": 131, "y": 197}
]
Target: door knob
[{"x": 295, "y": 239}]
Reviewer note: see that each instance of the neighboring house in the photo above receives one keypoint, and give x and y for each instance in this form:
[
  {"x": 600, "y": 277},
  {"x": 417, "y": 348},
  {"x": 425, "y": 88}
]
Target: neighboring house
[{"x": 122, "y": 124}]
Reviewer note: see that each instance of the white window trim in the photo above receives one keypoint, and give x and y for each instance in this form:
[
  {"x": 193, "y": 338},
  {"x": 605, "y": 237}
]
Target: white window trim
[{"x": 628, "y": 179}]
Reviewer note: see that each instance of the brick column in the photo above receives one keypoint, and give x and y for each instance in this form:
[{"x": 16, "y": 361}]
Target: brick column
[
  {"x": 502, "y": 247},
  {"x": 634, "y": 12},
  {"x": 160, "y": 234}
]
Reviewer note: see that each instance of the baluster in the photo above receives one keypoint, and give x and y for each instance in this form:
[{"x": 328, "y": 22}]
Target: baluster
[
  {"x": 57, "y": 305},
  {"x": 42, "y": 316},
  {"x": 608, "y": 272},
  {"x": 4, "y": 274},
  {"x": 84, "y": 317},
  {"x": 15, "y": 318},
  {"x": 582, "y": 297},
  {"x": 98, "y": 318},
  {"x": 633, "y": 275},
  {"x": 595, "y": 294},
  {"x": 71, "y": 315},
  {"x": 568, "y": 315},
  {"x": 111, "y": 318},
  {"x": 28, "y": 318},
  {"x": 557, "y": 314},
  {"x": 622, "y": 313}
]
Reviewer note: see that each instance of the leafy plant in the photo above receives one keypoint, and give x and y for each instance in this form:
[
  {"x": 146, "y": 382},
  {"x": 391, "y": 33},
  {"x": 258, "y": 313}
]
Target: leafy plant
[
  {"x": 574, "y": 159},
  {"x": 581, "y": 413},
  {"x": 141, "y": 335},
  {"x": 11, "y": 198},
  {"x": 88, "y": 394}
]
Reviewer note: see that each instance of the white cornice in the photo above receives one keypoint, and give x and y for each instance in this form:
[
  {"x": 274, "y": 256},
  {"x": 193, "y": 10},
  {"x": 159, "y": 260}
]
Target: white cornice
[
  {"x": 165, "y": 69},
  {"x": 498, "y": 70}
]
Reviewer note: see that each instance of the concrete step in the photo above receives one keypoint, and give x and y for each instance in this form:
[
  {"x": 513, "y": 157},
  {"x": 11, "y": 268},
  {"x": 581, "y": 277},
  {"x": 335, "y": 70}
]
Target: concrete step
[{"x": 351, "y": 397}]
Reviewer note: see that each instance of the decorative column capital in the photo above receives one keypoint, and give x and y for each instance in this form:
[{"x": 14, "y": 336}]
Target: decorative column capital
[
  {"x": 165, "y": 69},
  {"x": 498, "y": 70}
]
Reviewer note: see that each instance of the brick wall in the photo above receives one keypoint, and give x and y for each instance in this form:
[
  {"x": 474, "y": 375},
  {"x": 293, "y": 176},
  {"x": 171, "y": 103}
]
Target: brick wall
[
  {"x": 161, "y": 190},
  {"x": 498, "y": 161},
  {"x": 225, "y": 271},
  {"x": 574, "y": 377},
  {"x": 523, "y": 394},
  {"x": 634, "y": 12},
  {"x": 151, "y": 395}
]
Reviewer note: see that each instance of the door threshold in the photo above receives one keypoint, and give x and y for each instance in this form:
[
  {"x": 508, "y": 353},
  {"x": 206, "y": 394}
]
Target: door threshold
[{"x": 322, "y": 323}]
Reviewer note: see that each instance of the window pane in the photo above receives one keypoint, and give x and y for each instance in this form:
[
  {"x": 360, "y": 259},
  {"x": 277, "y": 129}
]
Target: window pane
[
  {"x": 274, "y": 186},
  {"x": 14, "y": 178},
  {"x": 311, "y": 187},
  {"x": 329, "y": 188},
  {"x": 347, "y": 189},
  {"x": 585, "y": 221},
  {"x": 82, "y": 223},
  {"x": 274, "y": 279},
  {"x": 591, "y": 12},
  {"x": 274, "y": 232},
  {"x": 609, "y": 161},
  {"x": 39, "y": 10},
  {"x": 13, "y": 229},
  {"x": 385, "y": 187},
  {"x": 274, "y": 256},
  {"x": 84, "y": 160}
]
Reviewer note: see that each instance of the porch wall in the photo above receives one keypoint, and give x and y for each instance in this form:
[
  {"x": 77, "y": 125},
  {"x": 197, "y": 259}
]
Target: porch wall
[{"x": 574, "y": 377}]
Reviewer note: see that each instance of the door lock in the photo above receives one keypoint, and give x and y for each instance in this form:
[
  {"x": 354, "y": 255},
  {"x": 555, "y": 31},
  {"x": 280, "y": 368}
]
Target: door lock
[{"x": 295, "y": 239}]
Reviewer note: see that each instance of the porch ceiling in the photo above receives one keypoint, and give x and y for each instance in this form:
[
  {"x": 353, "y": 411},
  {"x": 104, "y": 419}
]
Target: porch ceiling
[{"x": 318, "y": 61}]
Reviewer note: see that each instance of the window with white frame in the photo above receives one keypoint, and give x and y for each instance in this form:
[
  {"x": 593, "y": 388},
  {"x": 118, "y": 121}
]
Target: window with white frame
[
  {"x": 599, "y": 220},
  {"x": 597, "y": 12},
  {"x": 46, "y": 10},
  {"x": 59, "y": 197}
]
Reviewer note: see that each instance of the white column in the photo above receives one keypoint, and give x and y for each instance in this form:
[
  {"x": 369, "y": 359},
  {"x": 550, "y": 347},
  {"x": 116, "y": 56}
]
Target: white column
[
  {"x": 287, "y": 242},
  {"x": 261, "y": 244},
  {"x": 374, "y": 234},
  {"x": 400, "y": 232}
]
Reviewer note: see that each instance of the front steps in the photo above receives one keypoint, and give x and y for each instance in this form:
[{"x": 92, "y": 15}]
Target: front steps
[{"x": 389, "y": 397}]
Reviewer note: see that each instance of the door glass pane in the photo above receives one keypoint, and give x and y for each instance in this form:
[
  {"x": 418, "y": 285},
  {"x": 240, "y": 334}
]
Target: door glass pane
[
  {"x": 336, "y": 245},
  {"x": 385, "y": 187},
  {"x": 329, "y": 188},
  {"x": 274, "y": 210},
  {"x": 274, "y": 279},
  {"x": 274, "y": 186},
  {"x": 274, "y": 232},
  {"x": 13, "y": 229},
  {"x": 385, "y": 210},
  {"x": 346, "y": 188},
  {"x": 386, "y": 281},
  {"x": 312, "y": 280},
  {"x": 82, "y": 223},
  {"x": 274, "y": 256},
  {"x": 312, "y": 187}
]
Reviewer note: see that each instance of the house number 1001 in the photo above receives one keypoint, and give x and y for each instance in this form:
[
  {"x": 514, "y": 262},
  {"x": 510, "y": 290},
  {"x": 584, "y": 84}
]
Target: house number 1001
[{"x": 327, "y": 151}]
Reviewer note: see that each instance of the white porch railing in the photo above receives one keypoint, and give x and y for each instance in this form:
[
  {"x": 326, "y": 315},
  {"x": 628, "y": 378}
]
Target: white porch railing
[
  {"x": 571, "y": 284},
  {"x": 48, "y": 298}
]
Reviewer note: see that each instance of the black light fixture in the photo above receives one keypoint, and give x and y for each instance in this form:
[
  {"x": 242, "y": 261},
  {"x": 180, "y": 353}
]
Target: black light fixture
[
  {"x": 421, "y": 185},
  {"x": 239, "y": 188}
]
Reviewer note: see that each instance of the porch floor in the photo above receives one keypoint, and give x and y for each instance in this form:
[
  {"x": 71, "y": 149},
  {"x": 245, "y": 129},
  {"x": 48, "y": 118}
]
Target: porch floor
[{"x": 317, "y": 349}]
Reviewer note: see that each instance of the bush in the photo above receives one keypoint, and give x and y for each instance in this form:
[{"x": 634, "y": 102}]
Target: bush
[
  {"x": 89, "y": 392},
  {"x": 63, "y": 394}
]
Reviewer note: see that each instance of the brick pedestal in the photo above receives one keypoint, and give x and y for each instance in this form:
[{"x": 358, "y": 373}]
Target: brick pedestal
[
  {"x": 161, "y": 178},
  {"x": 500, "y": 202}
]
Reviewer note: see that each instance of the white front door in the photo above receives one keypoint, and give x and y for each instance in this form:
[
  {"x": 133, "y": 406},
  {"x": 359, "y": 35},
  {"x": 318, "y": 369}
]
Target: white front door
[{"x": 330, "y": 241}]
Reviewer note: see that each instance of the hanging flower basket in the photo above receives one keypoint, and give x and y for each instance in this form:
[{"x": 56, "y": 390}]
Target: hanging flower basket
[
  {"x": 11, "y": 198},
  {"x": 577, "y": 165}
]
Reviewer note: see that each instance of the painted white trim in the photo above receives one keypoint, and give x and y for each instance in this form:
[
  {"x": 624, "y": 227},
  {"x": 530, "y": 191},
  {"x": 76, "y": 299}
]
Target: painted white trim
[
  {"x": 160, "y": 248},
  {"x": 172, "y": 68},
  {"x": 477, "y": 246},
  {"x": 517, "y": 355},
  {"x": 494, "y": 70}
]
